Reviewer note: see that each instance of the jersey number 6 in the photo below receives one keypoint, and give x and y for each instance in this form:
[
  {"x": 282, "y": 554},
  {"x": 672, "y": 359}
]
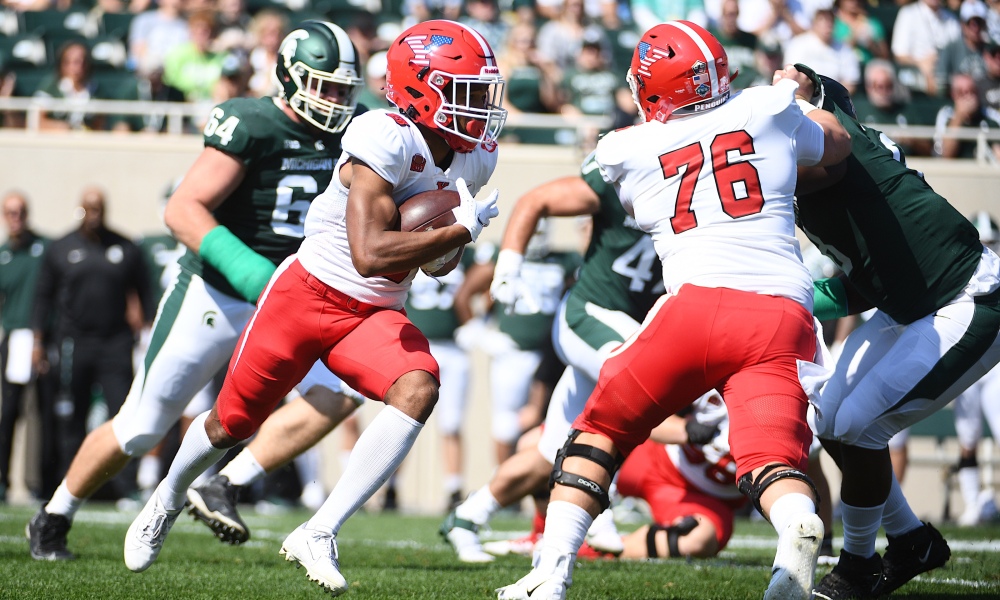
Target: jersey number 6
[{"x": 738, "y": 182}]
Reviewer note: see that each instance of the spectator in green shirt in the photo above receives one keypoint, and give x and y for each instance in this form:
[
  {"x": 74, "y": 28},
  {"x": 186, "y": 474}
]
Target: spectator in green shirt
[{"x": 193, "y": 67}]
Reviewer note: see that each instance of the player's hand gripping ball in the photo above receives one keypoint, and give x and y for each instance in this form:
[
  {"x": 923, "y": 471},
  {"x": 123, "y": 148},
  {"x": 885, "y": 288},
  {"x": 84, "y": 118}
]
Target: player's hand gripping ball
[{"x": 431, "y": 210}]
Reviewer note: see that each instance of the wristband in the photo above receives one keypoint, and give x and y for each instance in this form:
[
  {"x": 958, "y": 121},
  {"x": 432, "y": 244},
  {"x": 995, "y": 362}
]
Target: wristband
[
  {"x": 805, "y": 106},
  {"x": 829, "y": 299},
  {"x": 247, "y": 271}
]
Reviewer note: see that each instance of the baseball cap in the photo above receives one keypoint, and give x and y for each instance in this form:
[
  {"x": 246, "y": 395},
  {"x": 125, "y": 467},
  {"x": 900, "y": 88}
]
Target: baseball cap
[{"x": 972, "y": 9}]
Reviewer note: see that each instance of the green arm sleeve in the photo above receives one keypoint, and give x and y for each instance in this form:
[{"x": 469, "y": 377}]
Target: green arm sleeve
[
  {"x": 829, "y": 299},
  {"x": 244, "y": 269}
]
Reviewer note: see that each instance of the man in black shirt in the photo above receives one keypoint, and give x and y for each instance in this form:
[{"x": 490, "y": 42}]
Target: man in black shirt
[{"x": 86, "y": 279}]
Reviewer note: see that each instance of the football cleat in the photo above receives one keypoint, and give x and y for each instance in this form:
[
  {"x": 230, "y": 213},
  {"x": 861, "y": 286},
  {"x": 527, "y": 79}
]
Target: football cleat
[
  {"x": 522, "y": 546},
  {"x": 463, "y": 535},
  {"x": 913, "y": 553},
  {"x": 794, "y": 570},
  {"x": 214, "y": 504},
  {"x": 589, "y": 552},
  {"x": 147, "y": 533},
  {"x": 853, "y": 578},
  {"x": 541, "y": 585},
  {"x": 316, "y": 551},
  {"x": 46, "y": 533}
]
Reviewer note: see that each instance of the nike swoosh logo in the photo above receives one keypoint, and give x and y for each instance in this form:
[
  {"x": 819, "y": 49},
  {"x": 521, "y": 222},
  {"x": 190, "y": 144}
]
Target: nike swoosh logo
[{"x": 927, "y": 554}]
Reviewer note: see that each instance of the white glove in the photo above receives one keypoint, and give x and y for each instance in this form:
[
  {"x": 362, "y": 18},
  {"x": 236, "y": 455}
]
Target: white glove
[
  {"x": 435, "y": 265},
  {"x": 471, "y": 214},
  {"x": 508, "y": 288}
]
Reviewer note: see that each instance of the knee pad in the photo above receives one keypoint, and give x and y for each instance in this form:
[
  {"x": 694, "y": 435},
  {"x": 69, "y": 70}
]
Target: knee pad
[
  {"x": 754, "y": 488},
  {"x": 595, "y": 455},
  {"x": 674, "y": 533}
]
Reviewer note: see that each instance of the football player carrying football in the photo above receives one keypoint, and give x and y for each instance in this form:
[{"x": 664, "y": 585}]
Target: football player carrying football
[
  {"x": 906, "y": 251},
  {"x": 239, "y": 211},
  {"x": 340, "y": 298},
  {"x": 711, "y": 177}
]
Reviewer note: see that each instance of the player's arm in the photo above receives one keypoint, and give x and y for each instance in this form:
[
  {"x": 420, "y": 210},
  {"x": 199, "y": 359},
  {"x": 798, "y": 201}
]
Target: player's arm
[
  {"x": 211, "y": 179},
  {"x": 814, "y": 179},
  {"x": 670, "y": 431},
  {"x": 565, "y": 197},
  {"x": 836, "y": 142},
  {"x": 377, "y": 248}
]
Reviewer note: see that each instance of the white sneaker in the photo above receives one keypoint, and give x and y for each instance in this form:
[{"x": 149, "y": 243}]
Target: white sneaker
[
  {"x": 549, "y": 584},
  {"x": 603, "y": 536},
  {"x": 987, "y": 506},
  {"x": 146, "y": 534},
  {"x": 317, "y": 552},
  {"x": 466, "y": 543},
  {"x": 522, "y": 546},
  {"x": 313, "y": 495},
  {"x": 794, "y": 570},
  {"x": 463, "y": 537}
]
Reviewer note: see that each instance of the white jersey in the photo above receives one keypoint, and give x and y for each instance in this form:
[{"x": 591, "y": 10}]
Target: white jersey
[
  {"x": 709, "y": 467},
  {"x": 715, "y": 191},
  {"x": 393, "y": 147}
]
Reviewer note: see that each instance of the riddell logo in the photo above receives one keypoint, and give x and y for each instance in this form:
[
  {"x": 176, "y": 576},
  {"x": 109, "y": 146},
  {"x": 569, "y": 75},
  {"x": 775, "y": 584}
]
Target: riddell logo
[{"x": 418, "y": 163}]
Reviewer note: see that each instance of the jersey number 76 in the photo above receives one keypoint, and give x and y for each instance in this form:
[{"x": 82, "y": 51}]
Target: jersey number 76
[{"x": 737, "y": 181}]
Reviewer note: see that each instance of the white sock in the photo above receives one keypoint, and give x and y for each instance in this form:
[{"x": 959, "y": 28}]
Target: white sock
[
  {"x": 379, "y": 452},
  {"x": 566, "y": 526},
  {"x": 897, "y": 516},
  {"x": 452, "y": 483},
  {"x": 64, "y": 503},
  {"x": 787, "y": 507},
  {"x": 861, "y": 525},
  {"x": 479, "y": 507},
  {"x": 194, "y": 456},
  {"x": 307, "y": 466},
  {"x": 149, "y": 472},
  {"x": 968, "y": 483},
  {"x": 244, "y": 469}
]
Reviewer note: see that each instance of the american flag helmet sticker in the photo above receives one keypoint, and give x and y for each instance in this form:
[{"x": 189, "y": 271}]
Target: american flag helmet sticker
[{"x": 422, "y": 49}]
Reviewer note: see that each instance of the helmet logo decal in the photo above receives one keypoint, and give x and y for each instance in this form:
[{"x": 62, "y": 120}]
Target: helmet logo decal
[
  {"x": 647, "y": 56},
  {"x": 291, "y": 45},
  {"x": 422, "y": 51},
  {"x": 701, "y": 79}
]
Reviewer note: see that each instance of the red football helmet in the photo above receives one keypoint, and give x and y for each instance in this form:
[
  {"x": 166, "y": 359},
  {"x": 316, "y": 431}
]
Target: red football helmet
[
  {"x": 444, "y": 75},
  {"x": 678, "y": 68}
]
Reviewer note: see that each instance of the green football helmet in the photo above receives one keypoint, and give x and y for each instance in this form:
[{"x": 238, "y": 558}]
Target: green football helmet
[{"x": 312, "y": 59}]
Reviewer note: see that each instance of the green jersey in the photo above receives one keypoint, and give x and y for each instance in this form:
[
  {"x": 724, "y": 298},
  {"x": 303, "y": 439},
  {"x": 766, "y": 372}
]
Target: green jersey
[
  {"x": 620, "y": 270},
  {"x": 19, "y": 268},
  {"x": 905, "y": 249},
  {"x": 286, "y": 167},
  {"x": 430, "y": 304}
]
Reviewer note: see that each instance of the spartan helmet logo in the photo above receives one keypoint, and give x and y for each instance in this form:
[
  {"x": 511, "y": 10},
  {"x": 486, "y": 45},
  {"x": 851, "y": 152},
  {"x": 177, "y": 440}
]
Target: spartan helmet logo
[{"x": 291, "y": 45}]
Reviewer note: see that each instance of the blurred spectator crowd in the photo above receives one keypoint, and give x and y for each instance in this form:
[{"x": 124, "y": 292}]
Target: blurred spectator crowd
[{"x": 916, "y": 62}]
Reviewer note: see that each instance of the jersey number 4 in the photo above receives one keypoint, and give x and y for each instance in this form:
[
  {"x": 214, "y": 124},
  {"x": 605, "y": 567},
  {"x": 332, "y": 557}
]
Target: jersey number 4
[{"x": 737, "y": 181}]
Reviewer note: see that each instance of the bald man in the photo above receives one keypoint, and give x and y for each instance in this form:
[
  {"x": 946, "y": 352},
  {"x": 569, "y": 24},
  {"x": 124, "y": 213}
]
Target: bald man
[
  {"x": 20, "y": 260},
  {"x": 83, "y": 289}
]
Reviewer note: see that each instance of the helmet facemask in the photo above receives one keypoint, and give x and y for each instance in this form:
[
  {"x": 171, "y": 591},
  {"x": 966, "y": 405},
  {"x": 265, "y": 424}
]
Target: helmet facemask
[
  {"x": 310, "y": 101},
  {"x": 459, "y": 117}
]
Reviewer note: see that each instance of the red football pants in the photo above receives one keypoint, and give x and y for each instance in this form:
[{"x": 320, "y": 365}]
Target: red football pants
[
  {"x": 300, "y": 320},
  {"x": 744, "y": 345}
]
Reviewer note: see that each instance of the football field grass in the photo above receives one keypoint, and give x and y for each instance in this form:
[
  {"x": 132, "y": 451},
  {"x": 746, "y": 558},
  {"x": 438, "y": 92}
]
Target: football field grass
[{"x": 397, "y": 556}]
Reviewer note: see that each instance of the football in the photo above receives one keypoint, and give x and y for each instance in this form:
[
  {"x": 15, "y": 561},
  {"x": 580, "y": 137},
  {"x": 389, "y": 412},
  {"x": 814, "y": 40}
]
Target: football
[{"x": 428, "y": 210}]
